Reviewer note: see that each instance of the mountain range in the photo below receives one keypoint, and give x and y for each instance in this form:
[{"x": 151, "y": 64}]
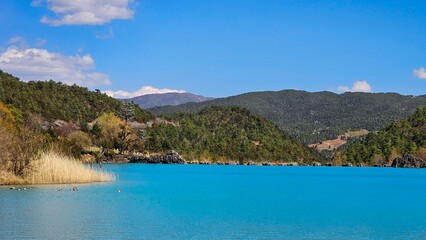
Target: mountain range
[
  {"x": 166, "y": 99},
  {"x": 257, "y": 127},
  {"x": 73, "y": 119},
  {"x": 318, "y": 116}
]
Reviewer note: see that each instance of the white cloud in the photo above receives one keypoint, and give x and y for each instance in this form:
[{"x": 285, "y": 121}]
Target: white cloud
[
  {"x": 357, "y": 86},
  {"x": 87, "y": 12},
  {"x": 343, "y": 89},
  {"x": 142, "y": 91},
  {"x": 420, "y": 73},
  {"x": 40, "y": 64}
]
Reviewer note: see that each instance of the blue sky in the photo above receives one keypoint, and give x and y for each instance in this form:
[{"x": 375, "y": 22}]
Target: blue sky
[{"x": 217, "y": 48}]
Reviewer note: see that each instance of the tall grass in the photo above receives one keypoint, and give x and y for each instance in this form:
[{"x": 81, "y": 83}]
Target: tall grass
[
  {"x": 53, "y": 168},
  {"x": 8, "y": 178}
]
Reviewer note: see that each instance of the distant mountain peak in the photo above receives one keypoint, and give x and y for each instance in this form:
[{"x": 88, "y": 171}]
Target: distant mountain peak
[{"x": 167, "y": 99}]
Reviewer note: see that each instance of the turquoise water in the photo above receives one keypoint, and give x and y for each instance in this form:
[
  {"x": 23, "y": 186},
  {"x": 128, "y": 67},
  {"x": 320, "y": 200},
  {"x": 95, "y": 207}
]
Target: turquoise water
[{"x": 224, "y": 202}]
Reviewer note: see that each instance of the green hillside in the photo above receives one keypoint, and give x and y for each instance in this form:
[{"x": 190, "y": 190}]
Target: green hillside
[
  {"x": 406, "y": 136},
  {"x": 216, "y": 134},
  {"x": 227, "y": 133},
  {"x": 314, "y": 117},
  {"x": 55, "y": 100}
]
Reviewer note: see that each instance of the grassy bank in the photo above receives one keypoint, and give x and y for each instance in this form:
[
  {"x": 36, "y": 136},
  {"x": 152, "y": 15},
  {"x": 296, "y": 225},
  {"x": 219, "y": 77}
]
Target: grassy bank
[{"x": 53, "y": 168}]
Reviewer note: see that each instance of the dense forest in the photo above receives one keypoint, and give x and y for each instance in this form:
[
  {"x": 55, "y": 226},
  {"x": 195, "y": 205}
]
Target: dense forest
[
  {"x": 315, "y": 117},
  {"x": 54, "y": 100},
  {"x": 406, "y": 136},
  {"x": 227, "y": 133}
]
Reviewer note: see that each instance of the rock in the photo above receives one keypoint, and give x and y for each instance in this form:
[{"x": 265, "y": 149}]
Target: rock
[
  {"x": 119, "y": 159},
  {"x": 316, "y": 164},
  {"x": 409, "y": 161},
  {"x": 171, "y": 157},
  {"x": 59, "y": 123},
  {"x": 291, "y": 164}
]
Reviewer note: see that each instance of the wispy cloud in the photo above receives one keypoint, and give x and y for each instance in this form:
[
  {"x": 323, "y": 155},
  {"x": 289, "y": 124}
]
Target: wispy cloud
[
  {"x": 142, "y": 91},
  {"x": 357, "y": 86},
  {"x": 420, "y": 73},
  {"x": 40, "y": 42},
  {"x": 87, "y": 12},
  {"x": 17, "y": 40},
  {"x": 40, "y": 64},
  {"x": 107, "y": 35}
]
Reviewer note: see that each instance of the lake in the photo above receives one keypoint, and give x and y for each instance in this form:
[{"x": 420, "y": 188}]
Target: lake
[{"x": 224, "y": 202}]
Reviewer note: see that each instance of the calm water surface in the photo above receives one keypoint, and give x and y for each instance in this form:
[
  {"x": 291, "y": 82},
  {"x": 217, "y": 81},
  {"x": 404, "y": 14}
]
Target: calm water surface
[{"x": 224, "y": 202}]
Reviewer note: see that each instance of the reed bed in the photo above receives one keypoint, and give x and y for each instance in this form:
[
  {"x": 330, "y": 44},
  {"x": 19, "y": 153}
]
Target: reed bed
[
  {"x": 54, "y": 168},
  {"x": 8, "y": 178}
]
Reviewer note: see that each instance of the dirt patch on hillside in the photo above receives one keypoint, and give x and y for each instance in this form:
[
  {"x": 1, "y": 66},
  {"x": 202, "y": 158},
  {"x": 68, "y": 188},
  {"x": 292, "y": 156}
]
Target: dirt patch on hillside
[{"x": 333, "y": 144}]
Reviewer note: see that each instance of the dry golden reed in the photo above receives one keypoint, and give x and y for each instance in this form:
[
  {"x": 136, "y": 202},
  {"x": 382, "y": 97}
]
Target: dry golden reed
[
  {"x": 53, "y": 168},
  {"x": 8, "y": 178}
]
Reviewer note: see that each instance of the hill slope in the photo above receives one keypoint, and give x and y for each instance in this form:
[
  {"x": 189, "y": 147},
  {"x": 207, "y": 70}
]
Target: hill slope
[
  {"x": 406, "y": 136},
  {"x": 314, "y": 117},
  {"x": 216, "y": 134},
  {"x": 59, "y": 101},
  {"x": 166, "y": 99},
  {"x": 227, "y": 133}
]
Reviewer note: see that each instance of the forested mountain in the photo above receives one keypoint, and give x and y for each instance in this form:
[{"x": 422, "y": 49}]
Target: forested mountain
[
  {"x": 166, "y": 99},
  {"x": 55, "y": 100},
  {"x": 406, "y": 136},
  {"x": 227, "y": 134},
  {"x": 216, "y": 134},
  {"x": 314, "y": 117}
]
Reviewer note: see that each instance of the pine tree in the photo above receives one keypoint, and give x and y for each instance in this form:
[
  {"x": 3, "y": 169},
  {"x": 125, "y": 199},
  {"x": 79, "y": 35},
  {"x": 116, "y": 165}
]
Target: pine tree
[{"x": 127, "y": 112}]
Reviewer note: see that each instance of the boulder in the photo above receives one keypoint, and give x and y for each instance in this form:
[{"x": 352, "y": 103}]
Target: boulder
[{"x": 409, "y": 161}]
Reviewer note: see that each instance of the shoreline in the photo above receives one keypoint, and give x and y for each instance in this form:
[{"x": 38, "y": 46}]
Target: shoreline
[{"x": 257, "y": 164}]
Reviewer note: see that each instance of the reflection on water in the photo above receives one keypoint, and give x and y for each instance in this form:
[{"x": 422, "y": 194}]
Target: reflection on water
[{"x": 224, "y": 202}]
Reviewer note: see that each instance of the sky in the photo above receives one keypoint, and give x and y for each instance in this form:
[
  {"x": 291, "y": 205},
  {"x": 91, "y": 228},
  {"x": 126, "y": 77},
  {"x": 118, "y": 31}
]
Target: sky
[{"x": 217, "y": 48}]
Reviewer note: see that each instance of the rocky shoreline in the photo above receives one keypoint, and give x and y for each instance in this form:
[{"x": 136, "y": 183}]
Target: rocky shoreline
[
  {"x": 408, "y": 161},
  {"x": 173, "y": 157}
]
